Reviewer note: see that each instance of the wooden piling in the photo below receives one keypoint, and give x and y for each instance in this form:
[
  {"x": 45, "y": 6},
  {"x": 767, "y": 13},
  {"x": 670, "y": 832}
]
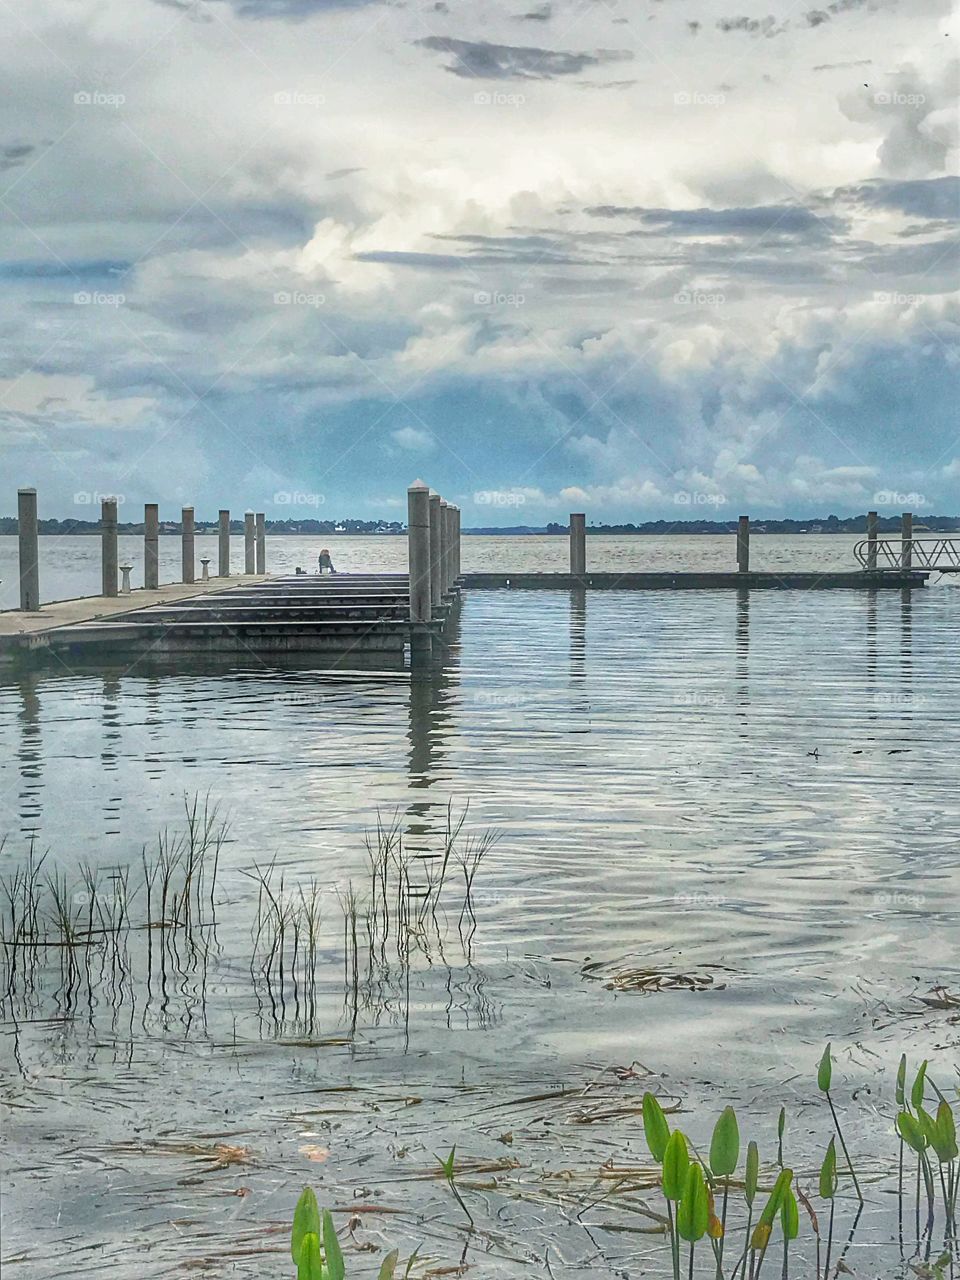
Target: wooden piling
[
  {"x": 29, "y": 546},
  {"x": 871, "y": 540},
  {"x": 456, "y": 544},
  {"x": 578, "y": 543},
  {"x": 223, "y": 561},
  {"x": 151, "y": 545},
  {"x": 436, "y": 551},
  {"x": 906, "y": 535},
  {"x": 188, "y": 566},
  {"x": 109, "y": 559},
  {"x": 743, "y": 544},
  {"x": 249, "y": 542},
  {"x": 261, "y": 529}
]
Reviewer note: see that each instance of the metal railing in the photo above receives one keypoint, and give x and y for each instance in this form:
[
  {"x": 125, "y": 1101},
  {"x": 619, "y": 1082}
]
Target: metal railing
[{"x": 939, "y": 554}]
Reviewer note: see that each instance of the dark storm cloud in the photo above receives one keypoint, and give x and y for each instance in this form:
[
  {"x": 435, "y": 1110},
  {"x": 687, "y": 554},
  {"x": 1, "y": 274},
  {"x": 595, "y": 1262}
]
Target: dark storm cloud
[
  {"x": 922, "y": 198},
  {"x": 784, "y": 220},
  {"x": 14, "y": 154},
  {"x": 767, "y": 26},
  {"x": 92, "y": 269},
  {"x": 289, "y": 9},
  {"x": 481, "y": 60}
]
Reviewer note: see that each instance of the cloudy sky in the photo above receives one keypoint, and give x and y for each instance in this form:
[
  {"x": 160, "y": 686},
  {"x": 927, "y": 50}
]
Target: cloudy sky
[{"x": 635, "y": 258}]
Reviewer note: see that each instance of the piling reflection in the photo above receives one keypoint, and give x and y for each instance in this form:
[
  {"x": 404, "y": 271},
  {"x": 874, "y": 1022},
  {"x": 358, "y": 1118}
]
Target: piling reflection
[{"x": 742, "y": 650}]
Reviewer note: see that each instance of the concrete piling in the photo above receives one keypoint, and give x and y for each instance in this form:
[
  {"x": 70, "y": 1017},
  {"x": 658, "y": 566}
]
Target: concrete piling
[
  {"x": 418, "y": 552},
  {"x": 578, "y": 543},
  {"x": 436, "y": 551},
  {"x": 743, "y": 544},
  {"x": 205, "y": 569},
  {"x": 260, "y": 522},
  {"x": 906, "y": 535},
  {"x": 125, "y": 571},
  {"x": 223, "y": 562},
  {"x": 456, "y": 544},
  {"x": 188, "y": 567},
  {"x": 151, "y": 546},
  {"x": 109, "y": 557},
  {"x": 249, "y": 542},
  {"x": 29, "y": 546},
  {"x": 446, "y": 545},
  {"x": 871, "y": 540}
]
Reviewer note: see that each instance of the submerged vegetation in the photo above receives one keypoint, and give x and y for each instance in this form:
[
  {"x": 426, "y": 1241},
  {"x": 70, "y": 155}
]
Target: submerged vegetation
[{"x": 155, "y": 920}]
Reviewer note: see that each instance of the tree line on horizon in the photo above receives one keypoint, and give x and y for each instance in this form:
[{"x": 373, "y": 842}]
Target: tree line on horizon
[{"x": 333, "y": 528}]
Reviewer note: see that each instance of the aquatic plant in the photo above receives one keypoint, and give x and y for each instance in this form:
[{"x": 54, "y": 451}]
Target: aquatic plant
[
  {"x": 690, "y": 1184},
  {"x": 316, "y": 1250}
]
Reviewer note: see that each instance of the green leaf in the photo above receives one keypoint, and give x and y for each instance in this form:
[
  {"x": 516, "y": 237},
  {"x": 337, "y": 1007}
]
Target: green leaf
[
  {"x": 447, "y": 1165},
  {"x": 901, "y": 1080},
  {"x": 828, "y": 1172},
  {"x": 790, "y": 1216},
  {"x": 676, "y": 1161},
  {"x": 331, "y": 1249},
  {"x": 693, "y": 1211},
  {"x": 752, "y": 1176},
  {"x": 310, "y": 1266},
  {"x": 725, "y": 1144},
  {"x": 919, "y": 1086},
  {"x": 388, "y": 1266},
  {"x": 773, "y": 1205},
  {"x": 306, "y": 1221},
  {"x": 927, "y": 1126},
  {"x": 781, "y": 1123},
  {"x": 825, "y": 1071},
  {"x": 655, "y": 1127},
  {"x": 911, "y": 1132},
  {"x": 945, "y": 1134}
]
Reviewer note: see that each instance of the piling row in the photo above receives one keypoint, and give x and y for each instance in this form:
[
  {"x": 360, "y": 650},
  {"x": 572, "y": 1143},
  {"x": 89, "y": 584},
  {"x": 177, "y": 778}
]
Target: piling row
[
  {"x": 115, "y": 577},
  {"x": 433, "y": 557}
]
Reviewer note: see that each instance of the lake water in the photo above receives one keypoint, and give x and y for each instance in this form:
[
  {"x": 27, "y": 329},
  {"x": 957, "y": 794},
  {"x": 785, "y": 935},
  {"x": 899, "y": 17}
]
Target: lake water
[
  {"x": 749, "y": 799},
  {"x": 70, "y": 566}
]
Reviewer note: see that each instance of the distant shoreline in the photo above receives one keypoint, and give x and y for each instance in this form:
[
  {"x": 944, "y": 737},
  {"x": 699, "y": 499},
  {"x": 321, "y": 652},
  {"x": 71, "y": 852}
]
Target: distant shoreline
[{"x": 373, "y": 528}]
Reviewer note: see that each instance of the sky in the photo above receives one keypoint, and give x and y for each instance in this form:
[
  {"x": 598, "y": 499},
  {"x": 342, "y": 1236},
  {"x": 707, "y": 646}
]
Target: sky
[{"x": 660, "y": 259}]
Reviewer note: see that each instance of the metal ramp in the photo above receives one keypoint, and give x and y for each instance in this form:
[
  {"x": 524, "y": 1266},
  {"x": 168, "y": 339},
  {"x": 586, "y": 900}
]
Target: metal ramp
[{"x": 941, "y": 555}]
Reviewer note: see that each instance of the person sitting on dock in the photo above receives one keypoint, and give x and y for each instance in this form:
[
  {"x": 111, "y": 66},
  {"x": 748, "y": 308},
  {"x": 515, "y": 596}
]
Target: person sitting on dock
[{"x": 325, "y": 562}]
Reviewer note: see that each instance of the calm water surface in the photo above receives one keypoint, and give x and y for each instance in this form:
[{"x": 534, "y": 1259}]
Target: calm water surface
[
  {"x": 70, "y": 566},
  {"x": 757, "y": 792}
]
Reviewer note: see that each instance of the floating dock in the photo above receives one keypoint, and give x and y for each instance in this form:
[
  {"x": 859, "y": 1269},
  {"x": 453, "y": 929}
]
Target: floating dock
[
  {"x": 251, "y": 617},
  {"x": 385, "y": 617},
  {"x": 664, "y": 581}
]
